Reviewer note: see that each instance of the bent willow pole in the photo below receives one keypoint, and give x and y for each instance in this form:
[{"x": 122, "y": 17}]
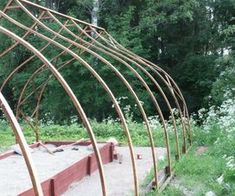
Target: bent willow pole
[
  {"x": 22, "y": 143},
  {"x": 166, "y": 78},
  {"x": 104, "y": 85},
  {"x": 70, "y": 94},
  {"x": 72, "y": 39}
]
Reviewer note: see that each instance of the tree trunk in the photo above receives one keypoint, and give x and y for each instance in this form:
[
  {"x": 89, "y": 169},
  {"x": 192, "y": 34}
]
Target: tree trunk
[
  {"x": 95, "y": 12},
  {"x": 49, "y": 4},
  {"x": 52, "y": 4}
]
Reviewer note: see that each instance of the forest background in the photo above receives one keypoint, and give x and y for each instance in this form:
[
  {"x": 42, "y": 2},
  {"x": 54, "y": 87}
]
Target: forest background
[{"x": 193, "y": 40}]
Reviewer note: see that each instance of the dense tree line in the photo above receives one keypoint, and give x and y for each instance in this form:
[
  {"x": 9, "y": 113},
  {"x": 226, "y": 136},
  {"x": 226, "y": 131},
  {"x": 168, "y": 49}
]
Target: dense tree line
[{"x": 193, "y": 40}]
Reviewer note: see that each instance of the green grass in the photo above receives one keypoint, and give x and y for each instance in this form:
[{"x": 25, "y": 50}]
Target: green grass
[
  {"x": 102, "y": 131},
  {"x": 198, "y": 174},
  {"x": 169, "y": 191}
]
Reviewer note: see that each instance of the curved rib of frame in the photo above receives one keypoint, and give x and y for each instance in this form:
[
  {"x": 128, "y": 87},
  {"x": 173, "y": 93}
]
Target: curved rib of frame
[
  {"x": 166, "y": 82},
  {"x": 123, "y": 79},
  {"x": 70, "y": 94},
  {"x": 99, "y": 79},
  {"x": 185, "y": 107},
  {"x": 26, "y": 61},
  {"x": 135, "y": 73},
  {"x": 169, "y": 79},
  {"x": 116, "y": 46},
  {"x": 159, "y": 113},
  {"x": 39, "y": 70},
  {"x": 77, "y": 21},
  {"x": 138, "y": 76},
  {"x": 51, "y": 16},
  {"x": 115, "y": 56},
  {"x": 57, "y": 13},
  {"x": 145, "y": 72},
  {"x": 126, "y": 83},
  {"x": 120, "y": 76},
  {"x": 23, "y": 145}
]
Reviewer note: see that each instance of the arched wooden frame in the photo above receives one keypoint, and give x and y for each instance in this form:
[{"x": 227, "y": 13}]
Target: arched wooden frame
[
  {"x": 108, "y": 46},
  {"x": 106, "y": 88},
  {"x": 22, "y": 143},
  {"x": 20, "y": 101},
  {"x": 119, "y": 50},
  {"x": 165, "y": 77},
  {"x": 100, "y": 46},
  {"x": 70, "y": 94},
  {"x": 139, "y": 105}
]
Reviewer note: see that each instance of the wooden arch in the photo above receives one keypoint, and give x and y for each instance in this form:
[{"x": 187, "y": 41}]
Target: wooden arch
[
  {"x": 23, "y": 144},
  {"x": 73, "y": 38}
]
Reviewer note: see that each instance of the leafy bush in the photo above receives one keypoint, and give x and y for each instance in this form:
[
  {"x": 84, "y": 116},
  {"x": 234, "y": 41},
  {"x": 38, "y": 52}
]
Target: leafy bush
[{"x": 218, "y": 132}]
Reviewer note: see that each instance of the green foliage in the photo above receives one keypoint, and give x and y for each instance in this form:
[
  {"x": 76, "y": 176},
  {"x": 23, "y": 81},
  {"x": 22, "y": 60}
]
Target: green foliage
[
  {"x": 183, "y": 37},
  {"x": 223, "y": 87},
  {"x": 188, "y": 38}
]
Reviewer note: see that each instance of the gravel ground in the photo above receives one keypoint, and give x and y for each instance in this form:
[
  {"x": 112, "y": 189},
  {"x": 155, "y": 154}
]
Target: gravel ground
[
  {"x": 118, "y": 176},
  {"x": 14, "y": 175}
]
